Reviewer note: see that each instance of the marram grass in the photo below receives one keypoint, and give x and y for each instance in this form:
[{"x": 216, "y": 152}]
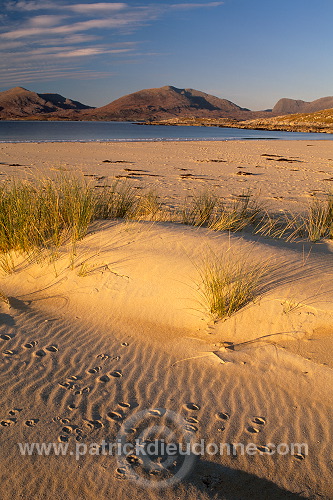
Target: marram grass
[{"x": 228, "y": 284}]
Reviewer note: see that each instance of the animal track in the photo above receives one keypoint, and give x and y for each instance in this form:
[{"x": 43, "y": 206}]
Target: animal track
[
  {"x": 259, "y": 420},
  {"x": 122, "y": 404},
  {"x": 222, "y": 415},
  {"x": 104, "y": 378},
  {"x": 157, "y": 412},
  {"x": 116, "y": 373},
  {"x": 192, "y": 407},
  {"x": 40, "y": 353},
  {"x": 30, "y": 345},
  {"x": 252, "y": 429},
  {"x": 191, "y": 420},
  {"x": 5, "y": 337},
  {"x": 8, "y": 352},
  {"x": 52, "y": 348},
  {"x": 8, "y": 422},
  {"x": 263, "y": 449},
  {"x": 115, "y": 416},
  {"x": 63, "y": 439},
  {"x": 32, "y": 422},
  {"x": 299, "y": 456},
  {"x": 96, "y": 369},
  {"x": 191, "y": 428}
]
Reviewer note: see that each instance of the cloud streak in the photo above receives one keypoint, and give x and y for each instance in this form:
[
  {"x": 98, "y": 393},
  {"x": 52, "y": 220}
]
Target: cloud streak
[{"x": 39, "y": 32}]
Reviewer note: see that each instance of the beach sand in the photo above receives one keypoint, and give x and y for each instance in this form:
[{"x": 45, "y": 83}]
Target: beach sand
[{"x": 86, "y": 344}]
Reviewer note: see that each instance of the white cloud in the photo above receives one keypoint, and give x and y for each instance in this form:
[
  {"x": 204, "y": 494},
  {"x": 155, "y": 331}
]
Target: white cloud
[
  {"x": 195, "y": 5},
  {"x": 89, "y": 8},
  {"x": 45, "y": 21},
  {"x": 90, "y": 51},
  {"x": 29, "y": 6},
  {"x": 70, "y": 28}
]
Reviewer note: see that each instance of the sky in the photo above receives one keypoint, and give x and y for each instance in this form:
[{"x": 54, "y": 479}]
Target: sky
[{"x": 251, "y": 52}]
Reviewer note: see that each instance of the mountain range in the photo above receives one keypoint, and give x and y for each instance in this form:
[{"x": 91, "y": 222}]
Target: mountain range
[{"x": 145, "y": 105}]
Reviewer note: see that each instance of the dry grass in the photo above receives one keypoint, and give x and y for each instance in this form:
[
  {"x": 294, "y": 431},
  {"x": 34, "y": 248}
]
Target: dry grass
[
  {"x": 229, "y": 284},
  {"x": 199, "y": 210},
  {"x": 243, "y": 212}
]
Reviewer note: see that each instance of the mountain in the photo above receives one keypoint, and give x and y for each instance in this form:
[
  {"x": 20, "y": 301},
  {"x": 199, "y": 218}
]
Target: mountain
[
  {"x": 319, "y": 121},
  {"x": 21, "y": 103},
  {"x": 291, "y": 106},
  {"x": 167, "y": 102}
]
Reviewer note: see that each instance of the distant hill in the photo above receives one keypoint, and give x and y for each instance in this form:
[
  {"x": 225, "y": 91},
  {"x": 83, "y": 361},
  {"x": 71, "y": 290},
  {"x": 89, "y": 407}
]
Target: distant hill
[
  {"x": 21, "y": 103},
  {"x": 320, "y": 121},
  {"x": 167, "y": 102},
  {"x": 148, "y": 105},
  {"x": 291, "y": 106}
]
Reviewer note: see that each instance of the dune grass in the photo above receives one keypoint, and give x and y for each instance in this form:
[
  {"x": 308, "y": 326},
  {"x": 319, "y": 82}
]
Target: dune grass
[
  {"x": 315, "y": 224},
  {"x": 243, "y": 212},
  {"x": 228, "y": 284},
  {"x": 199, "y": 211}
]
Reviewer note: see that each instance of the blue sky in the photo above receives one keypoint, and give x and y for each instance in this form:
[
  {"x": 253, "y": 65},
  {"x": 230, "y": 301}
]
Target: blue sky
[{"x": 252, "y": 52}]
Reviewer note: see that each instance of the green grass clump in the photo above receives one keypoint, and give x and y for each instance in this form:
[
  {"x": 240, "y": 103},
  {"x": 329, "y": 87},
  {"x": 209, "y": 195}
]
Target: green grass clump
[
  {"x": 43, "y": 214},
  {"x": 115, "y": 202},
  {"x": 200, "y": 210},
  {"x": 228, "y": 284},
  {"x": 315, "y": 224},
  {"x": 318, "y": 223},
  {"x": 242, "y": 213}
]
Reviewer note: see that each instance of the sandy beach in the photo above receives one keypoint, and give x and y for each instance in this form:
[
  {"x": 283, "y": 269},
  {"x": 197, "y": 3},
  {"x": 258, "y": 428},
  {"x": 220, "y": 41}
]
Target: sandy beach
[{"x": 93, "y": 347}]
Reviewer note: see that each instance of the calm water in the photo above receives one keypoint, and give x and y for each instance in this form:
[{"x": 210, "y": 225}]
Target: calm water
[{"x": 29, "y": 131}]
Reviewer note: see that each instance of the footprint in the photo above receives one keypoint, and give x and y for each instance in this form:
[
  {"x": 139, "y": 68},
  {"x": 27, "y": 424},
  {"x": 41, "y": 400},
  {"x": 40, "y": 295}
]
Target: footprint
[
  {"x": 121, "y": 472},
  {"x": 263, "y": 449},
  {"x": 5, "y": 337},
  {"x": 8, "y": 422},
  {"x": 94, "y": 424},
  {"x": 122, "y": 404},
  {"x": 299, "y": 456},
  {"x": 13, "y": 412},
  {"x": 157, "y": 412},
  {"x": 63, "y": 439},
  {"x": 52, "y": 348},
  {"x": 32, "y": 422},
  {"x": 115, "y": 416},
  {"x": 191, "y": 420},
  {"x": 116, "y": 373},
  {"x": 104, "y": 378},
  {"x": 134, "y": 460},
  {"x": 192, "y": 407},
  {"x": 40, "y": 353},
  {"x": 72, "y": 407},
  {"x": 96, "y": 369},
  {"x": 259, "y": 420},
  {"x": 67, "y": 429},
  {"x": 8, "y": 352},
  {"x": 223, "y": 415},
  {"x": 191, "y": 428},
  {"x": 30, "y": 345},
  {"x": 221, "y": 429},
  {"x": 125, "y": 344},
  {"x": 253, "y": 430},
  {"x": 65, "y": 421}
]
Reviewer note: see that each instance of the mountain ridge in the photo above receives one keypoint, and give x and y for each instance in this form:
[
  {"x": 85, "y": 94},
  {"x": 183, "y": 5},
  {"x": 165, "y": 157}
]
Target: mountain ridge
[{"x": 146, "y": 105}]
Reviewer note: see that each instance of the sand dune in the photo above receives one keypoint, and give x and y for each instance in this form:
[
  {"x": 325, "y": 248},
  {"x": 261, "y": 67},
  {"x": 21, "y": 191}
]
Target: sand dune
[
  {"x": 91, "y": 340},
  {"x": 83, "y": 351}
]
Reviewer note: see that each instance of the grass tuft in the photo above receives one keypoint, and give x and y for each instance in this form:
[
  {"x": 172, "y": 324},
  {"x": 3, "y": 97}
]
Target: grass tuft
[
  {"x": 199, "y": 211},
  {"x": 228, "y": 285},
  {"x": 245, "y": 211}
]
